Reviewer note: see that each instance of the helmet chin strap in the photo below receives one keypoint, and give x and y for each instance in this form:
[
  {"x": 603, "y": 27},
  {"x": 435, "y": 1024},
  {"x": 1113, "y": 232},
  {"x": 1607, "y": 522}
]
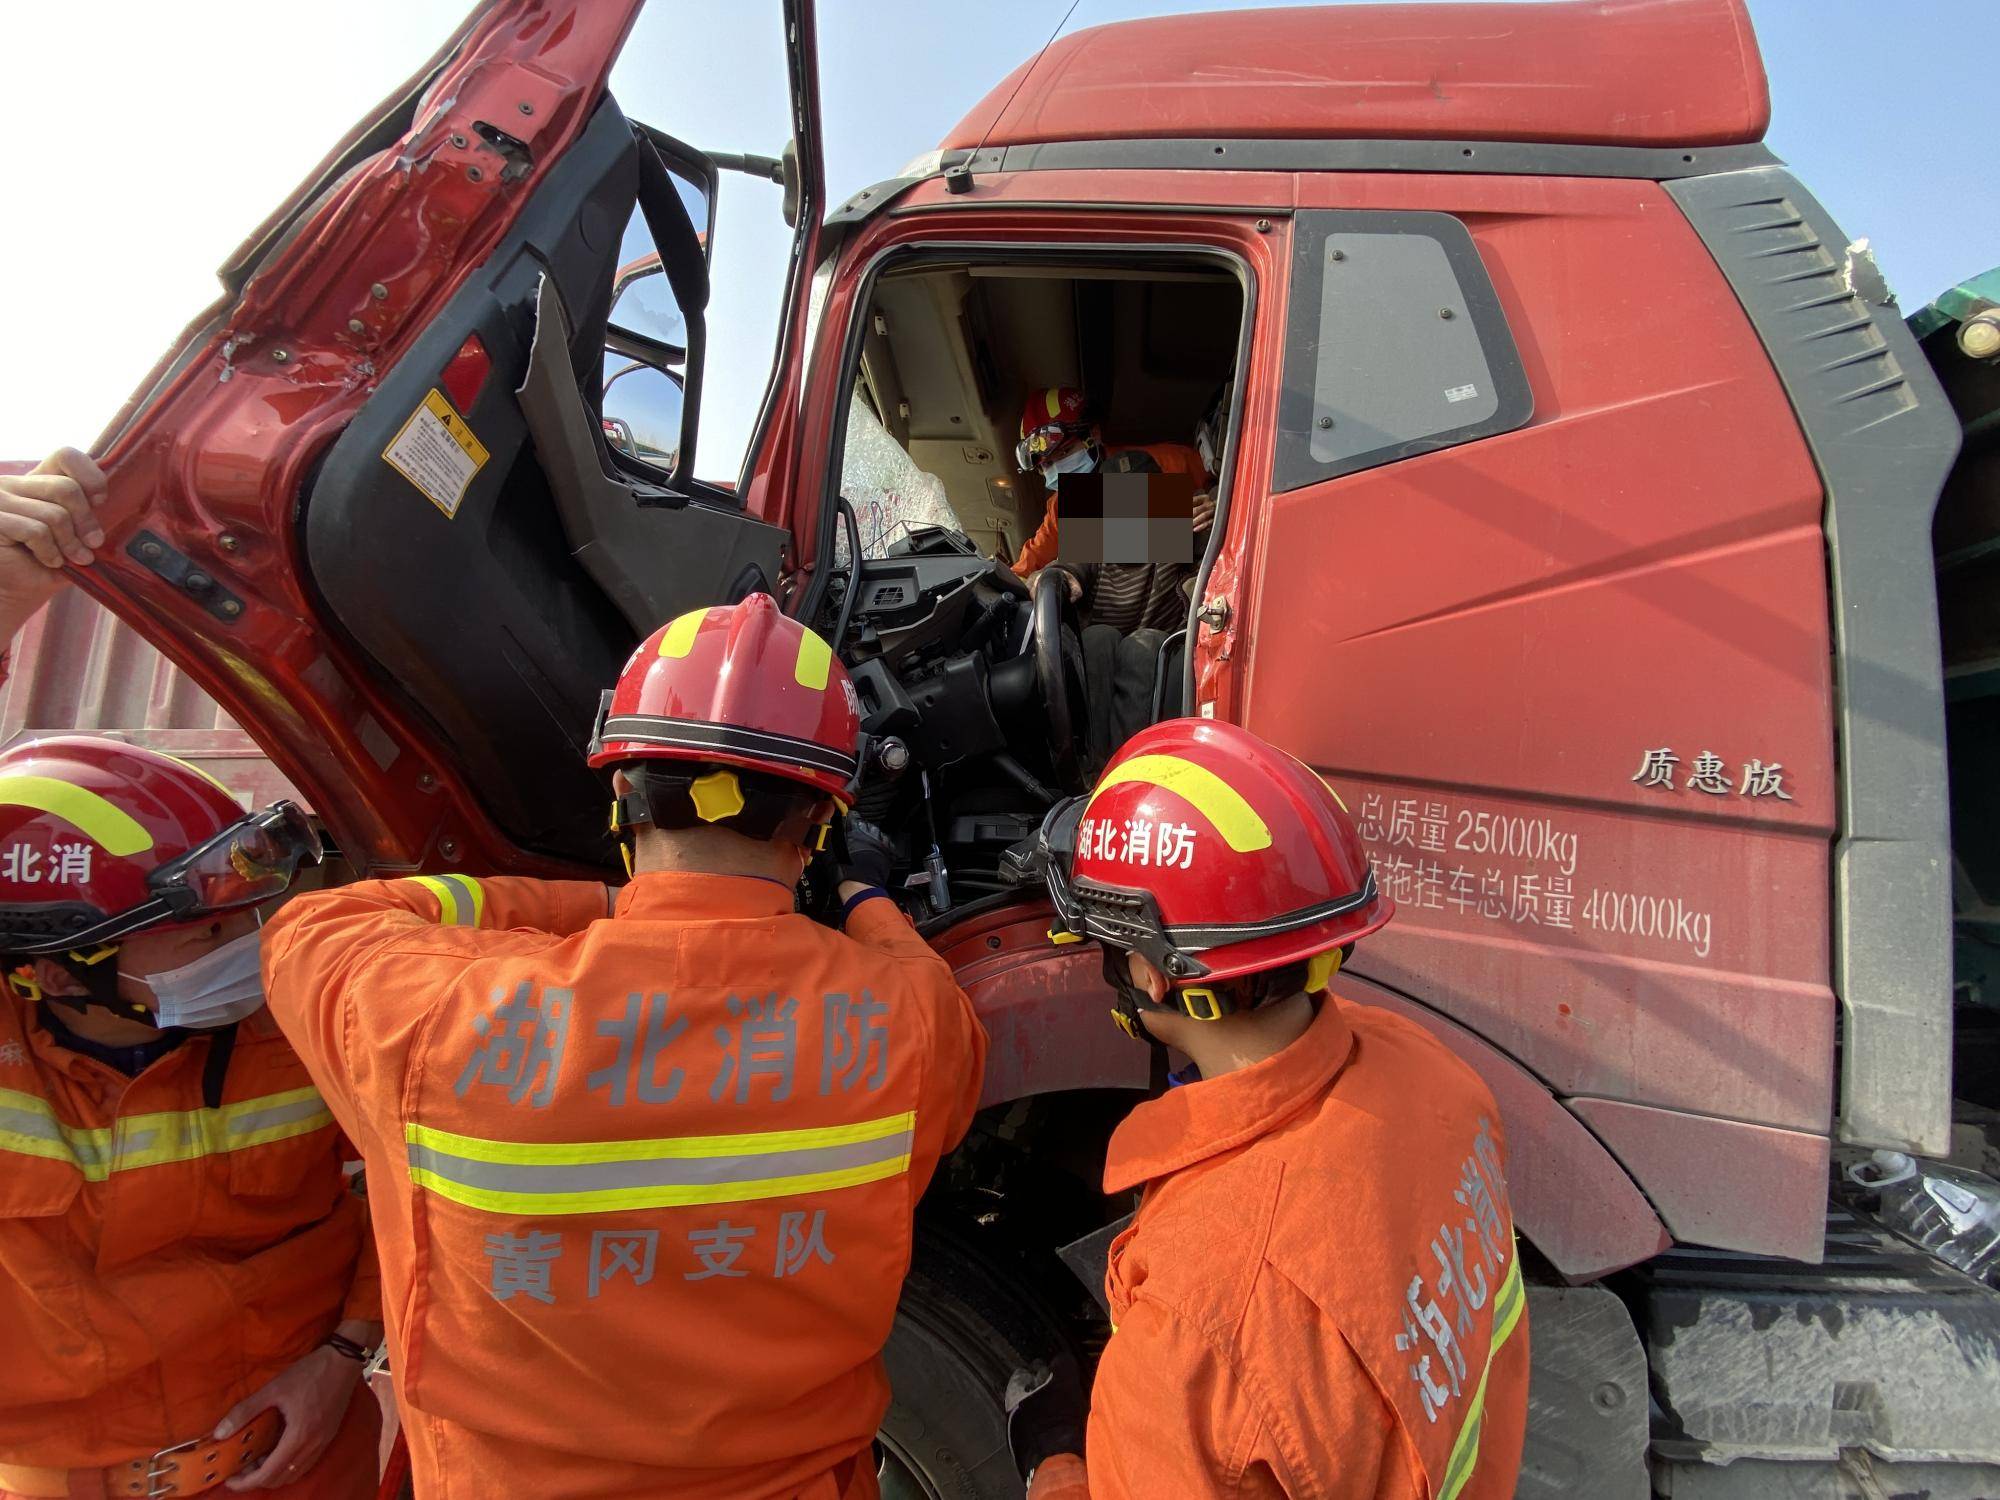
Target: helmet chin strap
[
  {"x": 97, "y": 971},
  {"x": 1129, "y": 1009},
  {"x": 1211, "y": 1002}
]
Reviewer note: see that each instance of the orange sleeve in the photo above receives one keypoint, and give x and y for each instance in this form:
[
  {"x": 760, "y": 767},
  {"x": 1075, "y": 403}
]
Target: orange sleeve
[
  {"x": 1040, "y": 549},
  {"x": 958, "y": 1063},
  {"x": 1176, "y": 458},
  {"x": 1171, "y": 1415},
  {"x": 351, "y": 1026}
]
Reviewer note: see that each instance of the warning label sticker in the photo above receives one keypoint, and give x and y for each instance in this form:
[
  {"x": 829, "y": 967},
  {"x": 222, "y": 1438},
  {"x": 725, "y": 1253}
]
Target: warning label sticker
[{"x": 437, "y": 453}]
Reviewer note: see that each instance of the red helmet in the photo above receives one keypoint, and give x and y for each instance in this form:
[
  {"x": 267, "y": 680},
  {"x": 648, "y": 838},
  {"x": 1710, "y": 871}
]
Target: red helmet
[
  {"x": 1051, "y": 417},
  {"x": 1216, "y": 856},
  {"x": 99, "y": 839},
  {"x": 739, "y": 685}
]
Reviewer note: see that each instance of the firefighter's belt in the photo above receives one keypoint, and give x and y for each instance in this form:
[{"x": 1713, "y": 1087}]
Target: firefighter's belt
[{"x": 191, "y": 1468}]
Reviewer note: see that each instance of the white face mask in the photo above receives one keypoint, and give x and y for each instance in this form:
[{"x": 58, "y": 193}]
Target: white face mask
[
  {"x": 221, "y": 987},
  {"x": 1080, "y": 462}
]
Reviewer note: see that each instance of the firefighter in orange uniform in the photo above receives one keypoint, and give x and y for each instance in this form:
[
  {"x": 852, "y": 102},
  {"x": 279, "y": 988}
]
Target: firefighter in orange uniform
[
  {"x": 657, "y": 1150},
  {"x": 1320, "y": 1294},
  {"x": 186, "y": 1284}
]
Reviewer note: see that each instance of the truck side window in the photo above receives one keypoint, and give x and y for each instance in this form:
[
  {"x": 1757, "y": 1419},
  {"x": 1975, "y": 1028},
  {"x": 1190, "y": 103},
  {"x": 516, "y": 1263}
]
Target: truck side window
[{"x": 1396, "y": 345}]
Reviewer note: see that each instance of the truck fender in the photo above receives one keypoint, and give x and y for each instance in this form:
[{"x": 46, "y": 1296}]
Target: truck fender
[
  {"x": 1044, "y": 1006},
  {"x": 1571, "y": 1197}
]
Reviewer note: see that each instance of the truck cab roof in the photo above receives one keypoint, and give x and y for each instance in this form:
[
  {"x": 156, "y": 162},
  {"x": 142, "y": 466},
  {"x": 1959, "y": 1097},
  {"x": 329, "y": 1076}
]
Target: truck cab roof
[{"x": 1627, "y": 73}]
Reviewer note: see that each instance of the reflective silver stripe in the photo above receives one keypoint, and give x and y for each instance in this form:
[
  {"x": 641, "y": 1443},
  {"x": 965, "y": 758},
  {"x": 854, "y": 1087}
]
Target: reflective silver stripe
[
  {"x": 30, "y": 1128},
  {"x": 649, "y": 1172},
  {"x": 31, "y": 1133},
  {"x": 460, "y": 900},
  {"x": 471, "y": 900},
  {"x": 27, "y": 1122},
  {"x": 252, "y": 1120},
  {"x": 653, "y": 729}
]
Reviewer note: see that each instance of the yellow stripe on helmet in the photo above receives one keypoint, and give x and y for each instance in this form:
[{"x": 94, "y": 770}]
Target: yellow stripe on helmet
[
  {"x": 212, "y": 780},
  {"x": 1215, "y": 799},
  {"x": 815, "y": 663},
  {"x": 679, "y": 639},
  {"x": 1339, "y": 801},
  {"x": 1052, "y": 398},
  {"x": 110, "y": 828}
]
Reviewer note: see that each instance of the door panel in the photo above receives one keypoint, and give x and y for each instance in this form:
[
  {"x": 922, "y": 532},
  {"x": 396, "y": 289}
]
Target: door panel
[
  {"x": 504, "y": 616},
  {"x": 330, "y": 507},
  {"x": 1513, "y": 655}
]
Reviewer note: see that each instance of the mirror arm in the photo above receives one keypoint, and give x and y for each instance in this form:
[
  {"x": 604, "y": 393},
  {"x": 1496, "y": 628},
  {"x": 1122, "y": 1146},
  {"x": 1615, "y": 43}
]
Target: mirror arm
[
  {"x": 674, "y": 234},
  {"x": 769, "y": 168}
]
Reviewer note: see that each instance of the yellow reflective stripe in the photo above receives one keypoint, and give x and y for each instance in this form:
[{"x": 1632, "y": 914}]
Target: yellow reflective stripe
[
  {"x": 461, "y": 899},
  {"x": 1508, "y": 1304},
  {"x": 447, "y": 898},
  {"x": 56, "y": 1150},
  {"x": 151, "y": 1140},
  {"x": 33, "y": 1103},
  {"x": 815, "y": 663},
  {"x": 680, "y": 1195},
  {"x": 472, "y": 896},
  {"x": 1052, "y": 398},
  {"x": 1331, "y": 792},
  {"x": 1214, "y": 798},
  {"x": 29, "y": 1127},
  {"x": 679, "y": 637},
  {"x": 110, "y": 828},
  {"x": 574, "y": 1177},
  {"x": 573, "y": 1153},
  {"x": 212, "y": 780}
]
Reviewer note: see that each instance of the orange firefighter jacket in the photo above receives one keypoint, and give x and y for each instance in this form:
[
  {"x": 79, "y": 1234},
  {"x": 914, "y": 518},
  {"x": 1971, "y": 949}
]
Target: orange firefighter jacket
[
  {"x": 159, "y": 1259},
  {"x": 1039, "y": 550},
  {"x": 1321, "y": 1294},
  {"x": 643, "y": 1182}
]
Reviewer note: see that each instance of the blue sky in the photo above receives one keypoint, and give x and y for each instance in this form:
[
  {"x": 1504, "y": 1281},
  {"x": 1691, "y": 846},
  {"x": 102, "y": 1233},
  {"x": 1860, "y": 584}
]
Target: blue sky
[{"x": 237, "y": 99}]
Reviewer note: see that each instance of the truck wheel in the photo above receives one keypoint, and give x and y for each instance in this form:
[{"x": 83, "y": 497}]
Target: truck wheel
[{"x": 961, "y": 1329}]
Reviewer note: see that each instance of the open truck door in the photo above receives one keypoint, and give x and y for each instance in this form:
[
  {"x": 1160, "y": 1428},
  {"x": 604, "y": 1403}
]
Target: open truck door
[{"x": 410, "y": 492}]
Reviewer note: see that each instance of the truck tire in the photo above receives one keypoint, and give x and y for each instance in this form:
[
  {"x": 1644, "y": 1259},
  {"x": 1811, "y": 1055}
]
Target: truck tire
[{"x": 962, "y": 1328}]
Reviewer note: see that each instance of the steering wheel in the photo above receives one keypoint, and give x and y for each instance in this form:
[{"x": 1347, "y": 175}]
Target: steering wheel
[{"x": 1054, "y": 681}]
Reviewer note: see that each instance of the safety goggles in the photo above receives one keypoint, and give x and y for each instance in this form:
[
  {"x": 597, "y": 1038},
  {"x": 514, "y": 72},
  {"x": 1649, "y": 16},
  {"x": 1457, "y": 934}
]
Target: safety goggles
[
  {"x": 249, "y": 862},
  {"x": 1041, "y": 441}
]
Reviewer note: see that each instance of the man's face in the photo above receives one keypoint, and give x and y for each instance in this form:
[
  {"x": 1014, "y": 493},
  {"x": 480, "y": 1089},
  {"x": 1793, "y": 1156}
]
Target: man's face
[
  {"x": 155, "y": 952},
  {"x": 144, "y": 954}
]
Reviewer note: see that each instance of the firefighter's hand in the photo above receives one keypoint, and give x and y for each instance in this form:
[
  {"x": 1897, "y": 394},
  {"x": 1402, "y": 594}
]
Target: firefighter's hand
[
  {"x": 1046, "y": 1413},
  {"x": 1204, "y": 512},
  {"x": 312, "y": 1396},
  {"x": 48, "y": 521},
  {"x": 866, "y": 855}
]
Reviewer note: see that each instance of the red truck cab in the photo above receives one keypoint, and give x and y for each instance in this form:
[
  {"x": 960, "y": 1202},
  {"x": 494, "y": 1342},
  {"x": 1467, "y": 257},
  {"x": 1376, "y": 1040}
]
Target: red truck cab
[{"x": 1573, "y": 512}]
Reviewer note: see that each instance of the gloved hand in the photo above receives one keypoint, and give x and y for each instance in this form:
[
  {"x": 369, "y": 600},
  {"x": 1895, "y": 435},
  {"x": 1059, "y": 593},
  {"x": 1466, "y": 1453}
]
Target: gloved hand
[
  {"x": 865, "y": 852},
  {"x": 1046, "y": 1413}
]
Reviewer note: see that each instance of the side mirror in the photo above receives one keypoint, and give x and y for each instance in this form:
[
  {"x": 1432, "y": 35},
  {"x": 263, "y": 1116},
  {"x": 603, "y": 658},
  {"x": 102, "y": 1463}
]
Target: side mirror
[
  {"x": 643, "y": 304},
  {"x": 643, "y": 407}
]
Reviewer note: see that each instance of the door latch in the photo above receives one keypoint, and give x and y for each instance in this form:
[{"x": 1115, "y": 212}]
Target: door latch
[{"x": 1215, "y": 613}]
